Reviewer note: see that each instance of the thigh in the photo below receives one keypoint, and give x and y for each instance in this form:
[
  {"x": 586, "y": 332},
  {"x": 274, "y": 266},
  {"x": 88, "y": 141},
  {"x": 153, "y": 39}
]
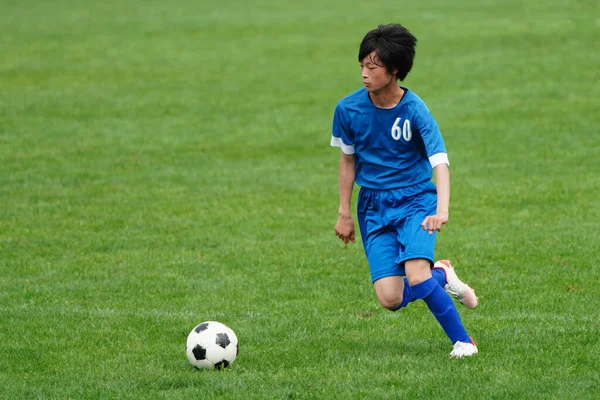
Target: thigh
[
  {"x": 379, "y": 241},
  {"x": 417, "y": 242},
  {"x": 382, "y": 249}
]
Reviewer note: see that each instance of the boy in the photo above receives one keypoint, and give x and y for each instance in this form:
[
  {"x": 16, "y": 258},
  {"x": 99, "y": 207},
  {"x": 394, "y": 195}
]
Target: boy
[{"x": 390, "y": 144}]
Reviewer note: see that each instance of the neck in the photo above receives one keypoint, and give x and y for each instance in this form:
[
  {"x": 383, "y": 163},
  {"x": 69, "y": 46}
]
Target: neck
[{"x": 387, "y": 97}]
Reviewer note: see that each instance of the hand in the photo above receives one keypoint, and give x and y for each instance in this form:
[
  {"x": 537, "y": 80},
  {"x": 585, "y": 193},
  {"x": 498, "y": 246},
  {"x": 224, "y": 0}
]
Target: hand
[
  {"x": 433, "y": 223},
  {"x": 344, "y": 228}
]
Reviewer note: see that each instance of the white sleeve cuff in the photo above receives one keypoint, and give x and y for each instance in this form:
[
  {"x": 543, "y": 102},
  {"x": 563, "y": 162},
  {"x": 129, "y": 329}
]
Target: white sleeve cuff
[
  {"x": 439, "y": 158},
  {"x": 337, "y": 142}
]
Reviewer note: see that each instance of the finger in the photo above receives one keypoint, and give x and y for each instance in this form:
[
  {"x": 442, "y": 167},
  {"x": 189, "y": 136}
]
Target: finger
[{"x": 431, "y": 226}]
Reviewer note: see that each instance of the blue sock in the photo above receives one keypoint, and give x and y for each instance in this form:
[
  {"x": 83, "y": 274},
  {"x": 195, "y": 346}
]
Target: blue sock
[
  {"x": 439, "y": 275},
  {"x": 407, "y": 296},
  {"x": 442, "y": 307}
]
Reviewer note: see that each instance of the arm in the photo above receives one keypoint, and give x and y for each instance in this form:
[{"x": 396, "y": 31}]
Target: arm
[
  {"x": 346, "y": 182},
  {"x": 344, "y": 228},
  {"x": 442, "y": 180}
]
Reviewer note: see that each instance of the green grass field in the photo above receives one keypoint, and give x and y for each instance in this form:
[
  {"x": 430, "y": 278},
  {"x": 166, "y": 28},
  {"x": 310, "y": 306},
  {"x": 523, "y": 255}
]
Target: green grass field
[{"x": 167, "y": 163}]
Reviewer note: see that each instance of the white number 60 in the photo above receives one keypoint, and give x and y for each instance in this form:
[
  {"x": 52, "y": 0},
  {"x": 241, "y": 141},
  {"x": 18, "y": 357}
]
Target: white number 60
[{"x": 403, "y": 132}]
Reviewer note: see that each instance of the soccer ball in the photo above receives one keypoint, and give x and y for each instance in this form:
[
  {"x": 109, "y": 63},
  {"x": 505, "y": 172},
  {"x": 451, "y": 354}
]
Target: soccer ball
[{"x": 211, "y": 345}]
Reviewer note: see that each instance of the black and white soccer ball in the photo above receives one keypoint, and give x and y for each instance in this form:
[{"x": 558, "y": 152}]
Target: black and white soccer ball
[{"x": 211, "y": 345}]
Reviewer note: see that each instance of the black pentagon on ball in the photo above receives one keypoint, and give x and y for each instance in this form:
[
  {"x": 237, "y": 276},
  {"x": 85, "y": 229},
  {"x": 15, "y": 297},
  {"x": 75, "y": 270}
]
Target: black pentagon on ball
[
  {"x": 222, "y": 364},
  {"x": 201, "y": 327},
  {"x": 222, "y": 340},
  {"x": 199, "y": 352}
]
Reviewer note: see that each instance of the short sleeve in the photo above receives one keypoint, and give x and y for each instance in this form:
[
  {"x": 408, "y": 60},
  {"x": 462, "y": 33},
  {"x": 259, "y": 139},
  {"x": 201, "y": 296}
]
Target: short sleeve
[
  {"x": 432, "y": 138},
  {"x": 341, "y": 135}
]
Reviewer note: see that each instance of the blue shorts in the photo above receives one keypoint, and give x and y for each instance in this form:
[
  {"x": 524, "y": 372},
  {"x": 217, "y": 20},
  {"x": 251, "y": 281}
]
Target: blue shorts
[{"x": 390, "y": 226}]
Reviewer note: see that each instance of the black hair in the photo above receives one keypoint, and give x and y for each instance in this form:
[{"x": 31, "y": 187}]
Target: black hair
[{"x": 394, "y": 46}]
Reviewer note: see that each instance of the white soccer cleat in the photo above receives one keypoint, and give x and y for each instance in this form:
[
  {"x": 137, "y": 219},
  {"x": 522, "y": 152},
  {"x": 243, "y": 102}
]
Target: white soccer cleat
[
  {"x": 455, "y": 287},
  {"x": 463, "y": 349}
]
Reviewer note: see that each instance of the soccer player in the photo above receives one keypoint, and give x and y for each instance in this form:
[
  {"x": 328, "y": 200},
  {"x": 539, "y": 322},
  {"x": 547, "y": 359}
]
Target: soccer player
[{"x": 390, "y": 143}]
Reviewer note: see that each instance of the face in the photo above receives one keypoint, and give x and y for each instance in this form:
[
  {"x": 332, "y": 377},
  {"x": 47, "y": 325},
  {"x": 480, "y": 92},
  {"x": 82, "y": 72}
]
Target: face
[{"x": 375, "y": 75}]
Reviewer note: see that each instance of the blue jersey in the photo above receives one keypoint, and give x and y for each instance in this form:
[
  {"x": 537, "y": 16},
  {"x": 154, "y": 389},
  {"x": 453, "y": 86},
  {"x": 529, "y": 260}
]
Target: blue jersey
[{"x": 393, "y": 148}]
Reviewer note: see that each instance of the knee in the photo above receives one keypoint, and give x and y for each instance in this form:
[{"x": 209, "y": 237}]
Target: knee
[
  {"x": 417, "y": 271},
  {"x": 389, "y": 292},
  {"x": 392, "y": 303},
  {"x": 416, "y": 279}
]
